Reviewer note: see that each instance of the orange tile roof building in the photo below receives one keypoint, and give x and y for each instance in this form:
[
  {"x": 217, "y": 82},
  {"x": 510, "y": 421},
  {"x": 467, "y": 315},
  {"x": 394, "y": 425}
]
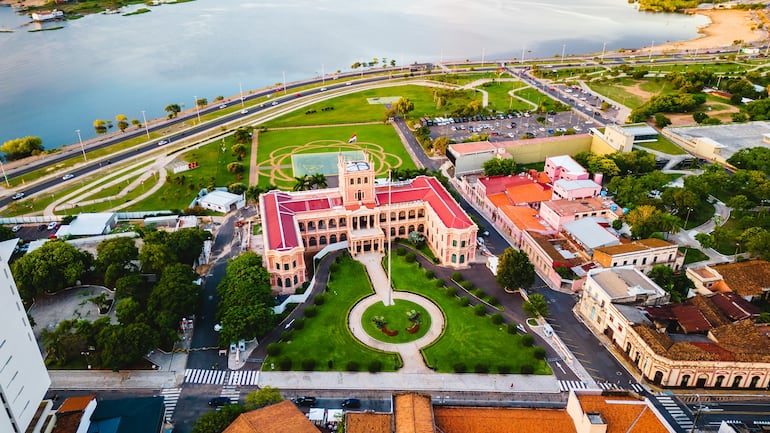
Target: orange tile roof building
[
  {"x": 360, "y": 215},
  {"x": 643, "y": 254},
  {"x": 749, "y": 279},
  {"x": 277, "y": 418}
]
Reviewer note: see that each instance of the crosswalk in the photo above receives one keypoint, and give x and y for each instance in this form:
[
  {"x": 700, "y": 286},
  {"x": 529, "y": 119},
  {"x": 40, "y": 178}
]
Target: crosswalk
[
  {"x": 567, "y": 385},
  {"x": 170, "y": 398},
  {"x": 676, "y": 412},
  {"x": 232, "y": 392},
  {"x": 221, "y": 377}
]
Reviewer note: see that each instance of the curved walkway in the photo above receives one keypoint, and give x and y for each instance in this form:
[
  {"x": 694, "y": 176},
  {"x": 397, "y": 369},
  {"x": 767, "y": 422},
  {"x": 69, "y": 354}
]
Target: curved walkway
[{"x": 410, "y": 352}]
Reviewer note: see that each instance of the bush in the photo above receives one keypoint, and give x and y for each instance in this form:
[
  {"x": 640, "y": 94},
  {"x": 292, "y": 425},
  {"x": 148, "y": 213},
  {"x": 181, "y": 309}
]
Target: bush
[
  {"x": 527, "y": 340},
  {"x": 235, "y": 167},
  {"x": 504, "y": 369},
  {"x": 319, "y": 299},
  {"x": 457, "y": 276},
  {"x": 352, "y": 366},
  {"x": 467, "y": 285},
  {"x": 451, "y": 291},
  {"x": 338, "y": 259},
  {"x": 478, "y": 291},
  {"x": 284, "y": 364},
  {"x": 480, "y": 310},
  {"x": 459, "y": 368},
  {"x": 464, "y": 301},
  {"x": 401, "y": 251},
  {"x": 334, "y": 267},
  {"x": 410, "y": 257},
  {"x": 273, "y": 349},
  {"x": 308, "y": 364},
  {"x": 481, "y": 368},
  {"x": 493, "y": 301},
  {"x": 429, "y": 274},
  {"x": 287, "y": 335},
  {"x": 440, "y": 283},
  {"x": 512, "y": 328},
  {"x": 310, "y": 311},
  {"x": 299, "y": 323},
  {"x": 527, "y": 369},
  {"x": 374, "y": 366},
  {"x": 539, "y": 353},
  {"x": 497, "y": 318}
]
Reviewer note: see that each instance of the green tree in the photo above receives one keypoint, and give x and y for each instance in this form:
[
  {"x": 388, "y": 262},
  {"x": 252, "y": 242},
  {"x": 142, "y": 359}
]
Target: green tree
[
  {"x": 173, "y": 110},
  {"x": 6, "y": 233},
  {"x": 187, "y": 244},
  {"x": 155, "y": 257},
  {"x": 318, "y": 181},
  {"x": 706, "y": 240},
  {"x": 514, "y": 269},
  {"x": 535, "y": 306},
  {"x": 661, "y": 120},
  {"x": 646, "y": 220},
  {"x": 116, "y": 251},
  {"x": 19, "y": 148},
  {"x": 236, "y": 188},
  {"x": 201, "y": 102},
  {"x": 217, "y": 421},
  {"x": 100, "y": 126},
  {"x": 63, "y": 344},
  {"x": 50, "y": 268},
  {"x": 699, "y": 116},
  {"x": 499, "y": 167},
  {"x": 403, "y": 106},
  {"x": 242, "y": 135},
  {"x": 122, "y": 122},
  {"x": 175, "y": 296},
  {"x": 303, "y": 183},
  {"x": 122, "y": 345},
  {"x": 129, "y": 311},
  {"x": 265, "y": 396},
  {"x": 245, "y": 308},
  {"x": 440, "y": 144},
  {"x": 235, "y": 167}
]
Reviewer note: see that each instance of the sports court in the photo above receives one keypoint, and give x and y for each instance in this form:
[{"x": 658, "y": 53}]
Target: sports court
[{"x": 324, "y": 163}]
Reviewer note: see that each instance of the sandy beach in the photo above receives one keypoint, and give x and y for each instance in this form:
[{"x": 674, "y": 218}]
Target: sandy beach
[{"x": 727, "y": 26}]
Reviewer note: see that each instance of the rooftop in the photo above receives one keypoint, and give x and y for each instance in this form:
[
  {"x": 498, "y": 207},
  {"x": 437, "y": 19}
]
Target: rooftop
[
  {"x": 503, "y": 420},
  {"x": 591, "y": 232},
  {"x": 86, "y": 224},
  {"x": 357, "y": 422},
  {"x": 277, "y": 418},
  {"x": 500, "y": 184},
  {"x": 624, "y": 282},
  {"x": 220, "y": 198},
  {"x": 635, "y": 246},
  {"x": 733, "y": 136},
  {"x": 623, "y": 414},
  {"x": 570, "y": 185},
  {"x": 567, "y": 164},
  {"x": 127, "y": 415},
  {"x": 472, "y": 147},
  {"x": 748, "y": 278},
  {"x": 523, "y": 217},
  {"x": 566, "y": 207},
  {"x": 414, "y": 413}
]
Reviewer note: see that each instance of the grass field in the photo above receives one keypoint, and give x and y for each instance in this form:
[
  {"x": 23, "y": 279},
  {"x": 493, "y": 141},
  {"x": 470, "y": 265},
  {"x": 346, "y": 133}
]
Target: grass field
[
  {"x": 468, "y": 339},
  {"x": 500, "y": 100},
  {"x": 397, "y": 320},
  {"x": 692, "y": 255},
  {"x": 614, "y": 89},
  {"x": 538, "y": 98},
  {"x": 355, "y": 108},
  {"x": 326, "y": 338},
  {"x": 663, "y": 145},
  {"x": 276, "y": 147}
]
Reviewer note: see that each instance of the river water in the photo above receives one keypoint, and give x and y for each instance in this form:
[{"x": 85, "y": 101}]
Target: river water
[{"x": 54, "y": 82}]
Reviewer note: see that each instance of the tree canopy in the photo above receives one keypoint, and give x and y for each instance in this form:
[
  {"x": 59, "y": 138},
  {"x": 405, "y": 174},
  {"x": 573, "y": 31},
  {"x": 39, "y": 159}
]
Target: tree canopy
[
  {"x": 264, "y": 396},
  {"x": 19, "y": 148},
  {"x": 499, "y": 167},
  {"x": 514, "y": 269},
  {"x": 50, "y": 268}
]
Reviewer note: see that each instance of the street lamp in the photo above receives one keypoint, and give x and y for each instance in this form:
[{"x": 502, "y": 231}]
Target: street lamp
[
  {"x": 604, "y": 47},
  {"x": 197, "y": 108},
  {"x": 563, "y": 49},
  {"x": 82, "y": 148},
  {"x": 86, "y": 355},
  {"x": 146, "y": 129},
  {"x": 652, "y": 45},
  {"x": 241, "y": 88}
]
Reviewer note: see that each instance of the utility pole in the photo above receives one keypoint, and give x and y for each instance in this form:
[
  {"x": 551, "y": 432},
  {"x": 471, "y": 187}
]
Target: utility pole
[
  {"x": 82, "y": 148},
  {"x": 563, "y": 50},
  {"x": 197, "y": 108},
  {"x": 604, "y": 47},
  {"x": 146, "y": 129},
  {"x": 240, "y": 86}
]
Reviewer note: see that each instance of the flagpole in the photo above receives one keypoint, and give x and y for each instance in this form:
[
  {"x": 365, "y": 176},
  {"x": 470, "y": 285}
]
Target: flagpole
[{"x": 390, "y": 246}]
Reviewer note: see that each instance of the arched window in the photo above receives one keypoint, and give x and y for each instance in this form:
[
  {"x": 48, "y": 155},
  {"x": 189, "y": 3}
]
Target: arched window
[
  {"x": 685, "y": 381},
  {"x": 322, "y": 240},
  {"x": 333, "y": 239},
  {"x": 411, "y": 229},
  {"x": 754, "y": 382},
  {"x": 321, "y": 225},
  {"x": 737, "y": 381},
  {"x": 411, "y": 214},
  {"x": 718, "y": 383},
  {"x": 332, "y": 224},
  {"x": 420, "y": 213},
  {"x": 342, "y": 222},
  {"x": 359, "y": 195},
  {"x": 462, "y": 259},
  {"x": 392, "y": 231},
  {"x": 401, "y": 215},
  {"x": 302, "y": 227},
  {"x": 401, "y": 231},
  {"x": 454, "y": 258},
  {"x": 343, "y": 237},
  {"x": 421, "y": 228},
  {"x": 280, "y": 282},
  {"x": 296, "y": 279},
  {"x": 311, "y": 242},
  {"x": 288, "y": 282},
  {"x": 310, "y": 225}
]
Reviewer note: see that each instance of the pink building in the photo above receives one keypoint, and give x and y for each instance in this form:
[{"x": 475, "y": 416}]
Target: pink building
[
  {"x": 559, "y": 212},
  {"x": 564, "y": 167},
  {"x": 363, "y": 214},
  {"x": 575, "y": 189}
]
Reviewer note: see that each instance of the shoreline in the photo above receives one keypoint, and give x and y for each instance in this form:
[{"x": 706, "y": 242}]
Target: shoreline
[{"x": 725, "y": 27}]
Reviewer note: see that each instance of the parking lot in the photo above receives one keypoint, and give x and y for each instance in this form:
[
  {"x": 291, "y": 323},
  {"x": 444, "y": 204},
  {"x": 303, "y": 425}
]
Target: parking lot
[
  {"x": 505, "y": 127},
  {"x": 31, "y": 232}
]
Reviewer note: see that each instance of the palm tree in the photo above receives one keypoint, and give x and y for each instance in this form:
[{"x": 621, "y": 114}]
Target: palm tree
[
  {"x": 319, "y": 181},
  {"x": 303, "y": 183}
]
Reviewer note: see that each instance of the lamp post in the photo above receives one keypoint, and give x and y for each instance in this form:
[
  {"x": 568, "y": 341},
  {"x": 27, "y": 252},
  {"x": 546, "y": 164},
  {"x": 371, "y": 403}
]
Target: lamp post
[
  {"x": 82, "y": 148},
  {"x": 86, "y": 355},
  {"x": 604, "y": 47},
  {"x": 146, "y": 129},
  {"x": 197, "y": 108},
  {"x": 241, "y": 89},
  {"x": 4, "y": 176},
  {"x": 563, "y": 50},
  {"x": 652, "y": 45}
]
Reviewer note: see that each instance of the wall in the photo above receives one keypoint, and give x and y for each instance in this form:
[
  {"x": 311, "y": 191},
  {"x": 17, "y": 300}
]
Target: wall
[{"x": 530, "y": 151}]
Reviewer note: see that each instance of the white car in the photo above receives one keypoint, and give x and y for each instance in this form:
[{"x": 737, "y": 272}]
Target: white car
[
  {"x": 349, "y": 83},
  {"x": 162, "y": 142},
  {"x": 16, "y": 229},
  {"x": 223, "y": 106},
  {"x": 52, "y": 225},
  {"x": 18, "y": 196},
  {"x": 67, "y": 176},
  {"x": 274, "y": 103},
  {"x": 244, "y": 111},
  {"x": 323, "y": 89}
]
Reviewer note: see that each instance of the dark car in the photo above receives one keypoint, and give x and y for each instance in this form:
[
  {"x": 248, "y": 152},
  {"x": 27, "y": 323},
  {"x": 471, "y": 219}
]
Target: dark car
[
  {"x": 41, "y": 227},
  {"x": 351, "y": 403},
  {"x": 219, "y": 401},
  {"x": 305, "y": 401}
]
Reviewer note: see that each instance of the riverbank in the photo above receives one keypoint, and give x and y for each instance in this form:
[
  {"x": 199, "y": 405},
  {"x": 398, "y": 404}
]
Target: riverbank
[
  {"x": 23, "y": 3},
  {"x": 726, "y": 27}
]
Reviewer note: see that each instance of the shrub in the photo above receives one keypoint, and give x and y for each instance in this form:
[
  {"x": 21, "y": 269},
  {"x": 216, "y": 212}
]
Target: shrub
[
  {"x": 410, "y": 257},
  {"x": 352, "y": 366},
  {"x": 527, "y": 369},
  {"x": 512, "y": 328},
  {"x": 459, "y": 368},
  {"x": 481, "y": 368},
  {"x": 539, "y": 353},
  {"x": 457, "y": 276},
  {"x": 429, "y": 274},
  {"x": 497, "y": 318},
  {"x": 478, "y": 291},
  {"x": 338, "y": 259},
  {"x": 235, "y": 167},
  {"x": 527, "y": 340},
  {"x": 308, "y": 364},
  {"x": 287, "y": 335},
  {"x": 436, "y": 260},
  {"x": 493, "y": 301},
  {"x": 299, "y": 323},
  {"x": 375, "y": 366},
  {"x": 334, "y": 267},
  {"x": 440, "y": 283},
  {"x": 284, "y": 364},
  {"x": 310, "y": 311},
  {"x": 273, "y": 349},
  {"x": 319, "y": 299},
  {"x": 464, "y": 301},
  {"x": 401, "y": 251},
  {"x": 480, "y": 310},
  {"x": 467, "y": 285},
  {"x": 504, "y": 369}
]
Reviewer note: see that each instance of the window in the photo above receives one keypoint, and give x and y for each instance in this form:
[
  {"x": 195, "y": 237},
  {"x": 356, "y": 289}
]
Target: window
[
  {"x": 454, "y": 258},
  {"x": 644, "y": 260},
  {"x": 294, "y": 264},
  {"x": 655, "y": 259},
  {"x": 352, "y": 181},
  {"x": 462, "y": 258},
  {"x": 277, "y": 266},
  {"x": 634, "y": 261},
  {"x": 366, "y": 180},
  {"x": 462, "y": 244},
  {"x": 358, "y": 180},
  {"x": 285, "y": 266},
  {"x": 454, "y": 243}
]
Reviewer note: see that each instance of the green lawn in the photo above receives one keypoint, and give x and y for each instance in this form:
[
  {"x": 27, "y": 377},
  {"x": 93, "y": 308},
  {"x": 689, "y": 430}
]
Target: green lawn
[
  {"x": 500, "y": 100},
  {"x": 379, "y": 140},
  {"x": 326, "y": 338},
  {"x": 463, "y": 79},
  {"x": 180, "y": 189},
  {"x": 614, "y": 90},
  {"x": 692, "y": 255},
  {"x": 657, "y": 86},
  {"x": 539, "y": 98},
  {"x": 355, "y": 108},
  {"x": 663, "y": 145},
  {"x": 468, "y": 339},
  {"x": 396, "y": 320}
]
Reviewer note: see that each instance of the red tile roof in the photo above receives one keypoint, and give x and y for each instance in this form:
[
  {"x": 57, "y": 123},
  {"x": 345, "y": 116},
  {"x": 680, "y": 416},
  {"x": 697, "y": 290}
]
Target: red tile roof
[
  {"x": 430, "y": 190},
  {"x": 498, "y": 184},
  {"x": 75, "y": 404},
  {"x": 733, "y": 306}
]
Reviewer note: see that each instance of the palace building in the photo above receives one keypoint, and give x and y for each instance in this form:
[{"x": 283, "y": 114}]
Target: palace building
[{"x": 366, "y": 214}]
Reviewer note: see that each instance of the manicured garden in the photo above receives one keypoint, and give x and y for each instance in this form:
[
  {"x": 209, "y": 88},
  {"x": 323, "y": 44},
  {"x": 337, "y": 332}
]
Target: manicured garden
[
  {"x": 662, "y": 144},
  {"x": 322, "y": 341},
  {"x": 402, "y": 322}
]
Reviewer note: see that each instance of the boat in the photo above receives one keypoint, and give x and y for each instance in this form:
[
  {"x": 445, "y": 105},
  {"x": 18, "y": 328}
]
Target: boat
[{"x": 39, "y": 16}]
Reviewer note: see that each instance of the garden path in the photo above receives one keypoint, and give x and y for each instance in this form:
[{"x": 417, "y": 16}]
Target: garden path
[{"x": 410, "y": 352}]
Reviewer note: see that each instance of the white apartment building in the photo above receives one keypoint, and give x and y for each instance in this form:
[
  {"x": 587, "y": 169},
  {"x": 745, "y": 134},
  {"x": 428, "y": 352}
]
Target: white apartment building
[{"x": 23, "y": 376}]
